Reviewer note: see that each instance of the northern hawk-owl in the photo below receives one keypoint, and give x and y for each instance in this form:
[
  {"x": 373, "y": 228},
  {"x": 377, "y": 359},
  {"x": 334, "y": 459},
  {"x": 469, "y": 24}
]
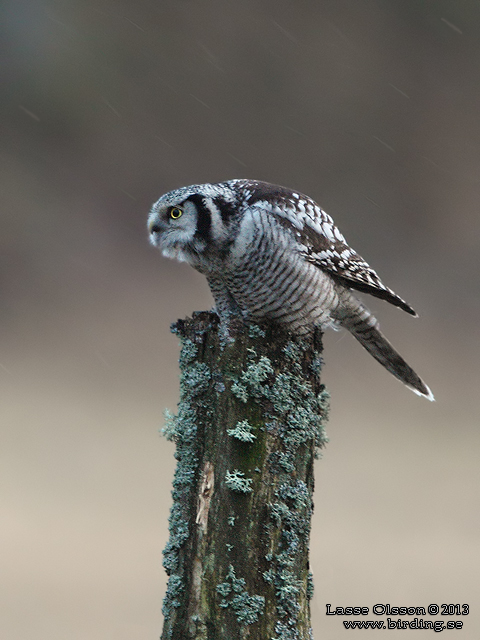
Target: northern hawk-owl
[{"x": 270, "y": 252}]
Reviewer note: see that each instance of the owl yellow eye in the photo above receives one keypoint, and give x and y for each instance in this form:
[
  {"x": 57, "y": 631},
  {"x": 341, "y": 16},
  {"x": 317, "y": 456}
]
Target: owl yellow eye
[{"x": 175, "y": 213}]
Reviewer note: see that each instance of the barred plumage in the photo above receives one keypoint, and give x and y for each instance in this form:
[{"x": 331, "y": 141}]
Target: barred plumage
[{"x": 269, "y": 252}]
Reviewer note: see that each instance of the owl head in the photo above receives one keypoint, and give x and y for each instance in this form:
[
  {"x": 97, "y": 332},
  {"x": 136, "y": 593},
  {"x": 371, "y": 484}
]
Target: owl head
[{"x": 187, "y": 222}]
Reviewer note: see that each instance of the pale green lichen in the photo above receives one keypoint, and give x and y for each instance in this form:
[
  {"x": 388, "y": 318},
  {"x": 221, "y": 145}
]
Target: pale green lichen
[
  {"x": 324, "y": 404},
  {"x": 169, "y": 430},
  {"x": 247, "y": 608},
  {"x": 317, "y": 365},
  {"x": 196, "y": 376},
  {"x": 188, "y": 353},
  {"x": 194, "y": 380},
  {"x": 254, "y": 331},
  {"x": 250, "y": 381},
  {"x": 269, "y": 576},
  {"x": 298, "y": 412},
  {"x": 286, "y": 630},
  {"x": 240, "y": 391},
  {"x": 242, "y": 431},
  {"x": 291, "y": 514},
  {"x": 293, "y": 351},
  {"x": 236, "y": 481},
  {"x": 175, "y": 589},
  {"x": 257, "y": 372},
  {"x": 310, "y": 587}
]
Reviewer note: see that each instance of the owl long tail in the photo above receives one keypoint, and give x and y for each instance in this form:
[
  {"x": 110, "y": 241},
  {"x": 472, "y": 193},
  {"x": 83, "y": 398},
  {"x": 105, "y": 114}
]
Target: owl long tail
[{"x": 365, "y": 328}]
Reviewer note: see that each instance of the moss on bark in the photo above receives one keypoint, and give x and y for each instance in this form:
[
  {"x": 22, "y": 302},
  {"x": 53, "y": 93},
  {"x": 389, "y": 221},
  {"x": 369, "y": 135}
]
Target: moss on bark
[{"x": 249, "y": 425}]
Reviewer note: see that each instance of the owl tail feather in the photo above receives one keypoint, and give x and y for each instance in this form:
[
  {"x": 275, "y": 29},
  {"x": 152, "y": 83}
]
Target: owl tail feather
[{"x": 380, "y": 348}]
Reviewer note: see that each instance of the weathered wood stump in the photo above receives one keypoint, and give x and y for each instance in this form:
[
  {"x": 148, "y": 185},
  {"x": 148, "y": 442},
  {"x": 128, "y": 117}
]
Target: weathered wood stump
[{"x": 249, "y": 424}]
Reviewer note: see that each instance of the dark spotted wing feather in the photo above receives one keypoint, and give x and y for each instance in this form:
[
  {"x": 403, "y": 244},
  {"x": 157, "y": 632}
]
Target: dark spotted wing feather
[{"x": 321, "y": 241}]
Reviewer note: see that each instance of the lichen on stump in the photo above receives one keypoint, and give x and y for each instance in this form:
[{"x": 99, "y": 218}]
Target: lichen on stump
[{"x": 249, "y": 425}]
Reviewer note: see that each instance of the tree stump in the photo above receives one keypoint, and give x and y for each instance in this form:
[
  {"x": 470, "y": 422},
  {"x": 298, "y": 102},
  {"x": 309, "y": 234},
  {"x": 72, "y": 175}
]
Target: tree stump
[{"x": 249, "y": 426}]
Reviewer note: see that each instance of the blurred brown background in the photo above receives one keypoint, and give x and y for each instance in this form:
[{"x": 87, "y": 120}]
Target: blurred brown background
[{"x": 369, "y": 106}]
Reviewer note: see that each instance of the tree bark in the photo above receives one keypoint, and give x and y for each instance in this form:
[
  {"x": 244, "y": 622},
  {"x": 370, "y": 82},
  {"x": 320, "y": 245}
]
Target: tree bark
[{"x": 249, "y": 424}]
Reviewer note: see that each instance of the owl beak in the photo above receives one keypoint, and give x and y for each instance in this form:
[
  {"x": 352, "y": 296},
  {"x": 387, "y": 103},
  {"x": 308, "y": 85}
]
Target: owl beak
[
  {"x": 154, "y": 230},
  {"x": 154, "y": 227}
]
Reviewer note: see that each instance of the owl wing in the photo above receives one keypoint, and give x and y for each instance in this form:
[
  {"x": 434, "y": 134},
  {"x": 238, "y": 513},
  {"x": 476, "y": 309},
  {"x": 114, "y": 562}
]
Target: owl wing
[{"x": 321, "y": 242}]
